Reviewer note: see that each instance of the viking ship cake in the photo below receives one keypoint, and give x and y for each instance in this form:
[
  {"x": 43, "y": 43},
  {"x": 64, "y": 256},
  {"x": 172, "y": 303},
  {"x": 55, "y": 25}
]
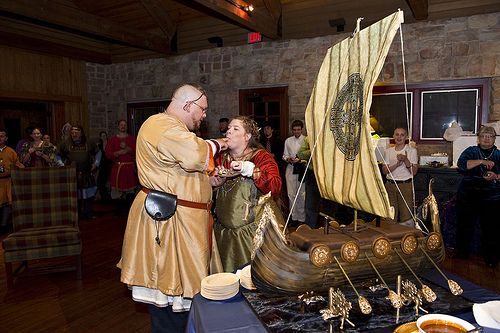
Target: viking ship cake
[{"x": 346, "y": 170}]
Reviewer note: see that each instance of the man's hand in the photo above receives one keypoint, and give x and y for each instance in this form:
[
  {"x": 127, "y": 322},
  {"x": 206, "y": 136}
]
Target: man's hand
[{"x": 222, "y": 142}]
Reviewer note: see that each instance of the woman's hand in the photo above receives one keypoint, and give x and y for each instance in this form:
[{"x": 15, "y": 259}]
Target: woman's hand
[
  {"x": 245, "y": 167},
  {"x": 488, "y": 164},
  {"x": 236, "y": 165},
  {"x": 215, "y": 180},
  {"x": 490, "y": 176}
]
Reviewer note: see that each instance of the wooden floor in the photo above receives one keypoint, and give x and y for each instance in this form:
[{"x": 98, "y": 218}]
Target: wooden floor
[{"x": 100, "y": 303}]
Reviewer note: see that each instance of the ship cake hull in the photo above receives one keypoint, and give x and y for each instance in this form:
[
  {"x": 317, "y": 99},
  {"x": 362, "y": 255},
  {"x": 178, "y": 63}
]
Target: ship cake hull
[{"x": 304, "y": 261}]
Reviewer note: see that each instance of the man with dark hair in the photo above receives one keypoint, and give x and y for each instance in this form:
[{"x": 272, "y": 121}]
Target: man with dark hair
[
  {"x": 272, "y": 143},
  {"x": 292, "y": 145},
  {"x": 223, "y": 124},
  {"x": 165, "y": 261}
]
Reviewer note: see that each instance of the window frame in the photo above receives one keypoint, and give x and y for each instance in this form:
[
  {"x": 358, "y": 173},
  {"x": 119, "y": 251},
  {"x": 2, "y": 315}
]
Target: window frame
[{"x": 483, "y": 86}]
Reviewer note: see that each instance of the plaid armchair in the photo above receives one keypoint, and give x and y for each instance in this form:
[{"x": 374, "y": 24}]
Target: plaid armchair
[{"x": 44, "y": 218}]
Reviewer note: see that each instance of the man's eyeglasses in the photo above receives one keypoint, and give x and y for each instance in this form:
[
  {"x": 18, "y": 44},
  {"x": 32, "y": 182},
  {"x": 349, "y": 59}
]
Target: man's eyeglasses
[
  {"x": 487, "y": 136},
  {"x": 204, "y": 110}
]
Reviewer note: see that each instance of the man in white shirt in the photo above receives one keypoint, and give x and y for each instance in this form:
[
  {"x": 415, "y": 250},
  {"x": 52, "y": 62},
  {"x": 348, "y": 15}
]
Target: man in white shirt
[
  {"x": 401, "y": 165},
  {"x": 292, "y": 145}
]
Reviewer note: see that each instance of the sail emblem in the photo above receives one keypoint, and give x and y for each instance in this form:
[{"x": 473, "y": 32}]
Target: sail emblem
[{"x": 345, "y": 117}]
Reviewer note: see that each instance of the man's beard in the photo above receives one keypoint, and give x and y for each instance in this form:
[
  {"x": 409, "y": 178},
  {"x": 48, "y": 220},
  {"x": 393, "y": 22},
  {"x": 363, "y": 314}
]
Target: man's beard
[{"x": 196, "y": 125}]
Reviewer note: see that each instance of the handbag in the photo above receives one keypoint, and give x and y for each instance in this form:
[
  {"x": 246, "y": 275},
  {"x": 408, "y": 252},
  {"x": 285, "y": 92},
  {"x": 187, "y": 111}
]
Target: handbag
[{"x": 160, "y": 205}]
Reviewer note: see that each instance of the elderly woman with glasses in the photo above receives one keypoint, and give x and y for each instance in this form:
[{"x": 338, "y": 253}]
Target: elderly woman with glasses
[{"x": 478, "y": 196}]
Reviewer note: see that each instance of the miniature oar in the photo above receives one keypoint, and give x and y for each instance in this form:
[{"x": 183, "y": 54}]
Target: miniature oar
[
  {"x": 363, "y": 303},
  {"x": 454, "y": 287},
  {"x": 393, "y": 297},
  {"x": 429, "y": 295},
  {"x": 398, "y": 288}
]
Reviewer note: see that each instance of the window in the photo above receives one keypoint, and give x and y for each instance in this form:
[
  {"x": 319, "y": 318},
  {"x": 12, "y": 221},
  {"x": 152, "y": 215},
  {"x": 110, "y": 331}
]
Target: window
[
  {"x": 433, "y": 106},
  {"x": 388, "y": 112},
  {"x": 440, "y": 108}
]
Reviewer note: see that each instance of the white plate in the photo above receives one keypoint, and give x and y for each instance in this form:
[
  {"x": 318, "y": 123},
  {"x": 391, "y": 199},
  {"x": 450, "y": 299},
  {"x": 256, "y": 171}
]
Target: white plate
[
  {"x": 219, "y": 280},
  {"x": 487, "y": 314},
  {"x": 219, "y": 297},
  {"x": 443, "y": 317}
]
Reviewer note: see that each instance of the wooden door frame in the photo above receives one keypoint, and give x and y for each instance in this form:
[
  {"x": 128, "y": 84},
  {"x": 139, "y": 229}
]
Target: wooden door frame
[{"x": 278, "y": 90}]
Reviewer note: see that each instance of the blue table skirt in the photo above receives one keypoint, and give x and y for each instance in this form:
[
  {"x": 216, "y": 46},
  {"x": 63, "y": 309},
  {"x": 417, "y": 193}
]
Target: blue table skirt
[
  {"x": 231, "y": 315},
  {"x": 236, "y": 315}
]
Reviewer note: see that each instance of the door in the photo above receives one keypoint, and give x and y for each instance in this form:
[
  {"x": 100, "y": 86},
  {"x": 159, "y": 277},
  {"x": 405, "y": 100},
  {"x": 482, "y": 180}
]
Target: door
[
  {"x": 267, "y": 105},
  {"x": 137, "y": 113},
  {"x": 16, "y": 116}
]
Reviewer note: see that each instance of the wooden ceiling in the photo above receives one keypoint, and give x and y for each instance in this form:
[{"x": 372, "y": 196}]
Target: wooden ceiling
[{"x": 109, "y": 31}]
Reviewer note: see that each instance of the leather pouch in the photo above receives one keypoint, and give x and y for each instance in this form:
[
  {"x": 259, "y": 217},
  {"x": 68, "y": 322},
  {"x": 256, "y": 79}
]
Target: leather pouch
[{"x": 160, "y": 205}]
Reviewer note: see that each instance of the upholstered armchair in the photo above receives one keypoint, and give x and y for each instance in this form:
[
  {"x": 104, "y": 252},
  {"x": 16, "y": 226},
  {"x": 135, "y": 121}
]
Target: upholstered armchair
[{"x": 44, "y": 218}]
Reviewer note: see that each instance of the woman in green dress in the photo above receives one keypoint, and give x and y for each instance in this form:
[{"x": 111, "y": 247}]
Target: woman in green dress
[{"x": 243, "y": 174}]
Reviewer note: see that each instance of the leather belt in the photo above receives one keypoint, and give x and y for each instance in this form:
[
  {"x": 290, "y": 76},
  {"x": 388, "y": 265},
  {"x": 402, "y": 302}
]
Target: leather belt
[
  {"x": 197, "y": 205},
  {"x": 186, "y": 203},
  {"x": 120, "y": 164},
  {"x": 399, "y": 181}
]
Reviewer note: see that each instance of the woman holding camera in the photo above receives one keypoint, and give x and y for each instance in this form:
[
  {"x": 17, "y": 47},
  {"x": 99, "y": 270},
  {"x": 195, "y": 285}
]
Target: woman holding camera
[{"x": 478, "y": 196}]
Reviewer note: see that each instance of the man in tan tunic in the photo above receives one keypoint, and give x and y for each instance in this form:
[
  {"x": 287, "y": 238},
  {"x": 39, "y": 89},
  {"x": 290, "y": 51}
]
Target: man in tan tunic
[{"x": 172, "y": 159}]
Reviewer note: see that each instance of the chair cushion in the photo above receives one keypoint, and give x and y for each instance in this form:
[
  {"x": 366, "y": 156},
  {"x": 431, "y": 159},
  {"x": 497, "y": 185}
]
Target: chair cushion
[{"x": 36, "y": 238}]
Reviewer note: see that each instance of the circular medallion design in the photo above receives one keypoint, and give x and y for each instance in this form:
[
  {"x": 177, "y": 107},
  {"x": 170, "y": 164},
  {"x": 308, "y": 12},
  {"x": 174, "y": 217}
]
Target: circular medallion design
[
  {"x": 433, "y": 241},
  {"x": 409, "y": 244},
  {"x": 303, "y": 227},
  {"x": 349, "y": 251},
  {"x": 346, "y": 115},
  {"x": 381, "y": 247},
  {"x": 320, "y": 255}
]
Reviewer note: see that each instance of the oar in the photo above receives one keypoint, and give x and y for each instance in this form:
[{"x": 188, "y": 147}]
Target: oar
[
  {"x": 454, "y": 287},
  {"x": 393, "y": 297},
  {"x": 398, "y": 288},
  {"x": 429, "y": 295},
  {"x": 363, "y": 303}
]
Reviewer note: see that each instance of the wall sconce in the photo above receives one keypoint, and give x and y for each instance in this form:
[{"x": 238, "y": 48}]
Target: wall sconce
[{"x": 248, "y": 8}]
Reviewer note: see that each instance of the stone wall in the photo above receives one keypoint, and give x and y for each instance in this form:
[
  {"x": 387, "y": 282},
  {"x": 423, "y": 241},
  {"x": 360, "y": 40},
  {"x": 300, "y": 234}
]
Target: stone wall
[{"x": 459, "y": 48}]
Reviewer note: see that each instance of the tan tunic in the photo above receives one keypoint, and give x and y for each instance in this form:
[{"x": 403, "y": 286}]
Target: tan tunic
[
  {"x": 8, "y": 157},
  {"x": 170, "y": 159}
]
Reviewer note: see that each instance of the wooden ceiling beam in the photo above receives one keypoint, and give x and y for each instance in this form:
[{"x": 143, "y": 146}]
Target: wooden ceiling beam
[
  {"x": 259, "y": 20},
  {"x": 47, "y": 12},
  {"x": 44, "y": 46},
  {"x": 274, "y": 8},
  {"x": 419, "y": 8},
  {"x": 158, "y": 12}
]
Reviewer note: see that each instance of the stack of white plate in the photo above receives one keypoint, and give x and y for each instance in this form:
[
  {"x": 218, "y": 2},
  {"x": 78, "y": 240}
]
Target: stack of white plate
[
  {"x": 220, "y": 286},
  {"x": 246, "y": 278}
]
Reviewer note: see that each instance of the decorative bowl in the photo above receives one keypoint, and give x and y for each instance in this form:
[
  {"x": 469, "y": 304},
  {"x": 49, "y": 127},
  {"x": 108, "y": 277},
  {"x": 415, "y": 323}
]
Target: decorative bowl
[{"x": 433, "y": 323}]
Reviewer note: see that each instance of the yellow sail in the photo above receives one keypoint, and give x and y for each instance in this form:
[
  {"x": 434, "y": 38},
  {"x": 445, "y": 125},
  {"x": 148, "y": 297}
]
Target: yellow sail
[{"x": 338, "y": 117}]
